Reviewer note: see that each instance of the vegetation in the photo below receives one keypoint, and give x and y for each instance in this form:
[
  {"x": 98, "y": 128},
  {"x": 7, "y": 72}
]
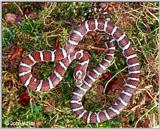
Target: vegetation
[{"x": 28, "y": 26}]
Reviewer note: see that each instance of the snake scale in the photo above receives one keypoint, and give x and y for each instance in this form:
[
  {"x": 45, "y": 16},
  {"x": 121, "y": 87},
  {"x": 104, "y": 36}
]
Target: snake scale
[{"x": 83, "y": 81}]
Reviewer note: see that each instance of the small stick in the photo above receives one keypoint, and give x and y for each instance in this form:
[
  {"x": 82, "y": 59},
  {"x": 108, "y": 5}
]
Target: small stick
[{"x": 113, "y": 78}]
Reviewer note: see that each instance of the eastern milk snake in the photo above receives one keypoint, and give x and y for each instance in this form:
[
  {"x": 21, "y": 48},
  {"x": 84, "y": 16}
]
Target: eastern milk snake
[{"x": 64, "y": 56}]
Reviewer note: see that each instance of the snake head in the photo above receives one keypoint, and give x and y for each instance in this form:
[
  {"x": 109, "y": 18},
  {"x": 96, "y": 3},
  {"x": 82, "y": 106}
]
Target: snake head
[{"x": 78, "y": 77}]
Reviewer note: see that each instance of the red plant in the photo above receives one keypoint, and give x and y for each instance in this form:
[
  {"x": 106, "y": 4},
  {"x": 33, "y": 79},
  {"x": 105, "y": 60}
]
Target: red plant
[
  {"x": 57, "y": 45},
  {"x": 14, "y": 53},
  {"x": 24, "y": 99},
  {"x": 12, "y": 18}
]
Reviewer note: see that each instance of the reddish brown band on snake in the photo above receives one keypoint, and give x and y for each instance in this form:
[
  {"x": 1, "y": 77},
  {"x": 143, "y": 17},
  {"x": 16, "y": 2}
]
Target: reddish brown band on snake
[{"x": 65, "y": 56}]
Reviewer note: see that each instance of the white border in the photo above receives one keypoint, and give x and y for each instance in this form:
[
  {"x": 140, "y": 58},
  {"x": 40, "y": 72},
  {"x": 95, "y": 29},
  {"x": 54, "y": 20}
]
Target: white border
[
  {"x": 1, "y": 65},
  {"x": 159, "y": 64},
  {"x": 73, "y": 1},
  {"x": 80, "y": 1}
]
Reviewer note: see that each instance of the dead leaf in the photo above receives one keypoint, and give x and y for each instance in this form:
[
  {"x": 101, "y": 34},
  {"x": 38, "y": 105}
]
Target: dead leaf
[
  {"x": 15, "y": 52},
  {"x": 106, "y": 76},
  {"x": 57, "y": 45},
  {"x": 100, "y": 94},
  {"x": 24, "y": 99},
  {"x": 97, "y": 38},
  {"x": 143, "y": 123},
  {"x": 4, "y": 103},
  {"x": 116, "y": 84},
  {"x": 125, "y": 120},
  {"x": 38, "y": 123},
  {"x": 33, "y": 15}
]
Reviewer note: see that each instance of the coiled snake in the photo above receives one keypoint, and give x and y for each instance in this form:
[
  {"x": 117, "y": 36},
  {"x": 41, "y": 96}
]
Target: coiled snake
[{"x": 64, "y": 56}]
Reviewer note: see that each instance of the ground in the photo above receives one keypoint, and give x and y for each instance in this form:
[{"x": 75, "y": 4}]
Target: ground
[{"x": 46, "y": 26}]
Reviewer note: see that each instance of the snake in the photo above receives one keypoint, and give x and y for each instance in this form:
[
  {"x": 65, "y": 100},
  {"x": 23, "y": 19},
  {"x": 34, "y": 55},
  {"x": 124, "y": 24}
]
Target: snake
[{"x": 84, "y": 81}]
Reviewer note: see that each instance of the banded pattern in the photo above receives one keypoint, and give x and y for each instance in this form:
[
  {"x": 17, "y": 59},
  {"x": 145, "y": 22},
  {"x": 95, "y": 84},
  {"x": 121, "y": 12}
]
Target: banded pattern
[
  {"x": 62, "y": 59},
  {"x": 132, "y": 81},
  {"x": 64, "y": 56}
]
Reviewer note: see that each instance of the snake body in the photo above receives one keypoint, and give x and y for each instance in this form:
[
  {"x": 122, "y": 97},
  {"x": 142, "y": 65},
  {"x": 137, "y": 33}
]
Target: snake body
[{"x": 64, "y": 56}]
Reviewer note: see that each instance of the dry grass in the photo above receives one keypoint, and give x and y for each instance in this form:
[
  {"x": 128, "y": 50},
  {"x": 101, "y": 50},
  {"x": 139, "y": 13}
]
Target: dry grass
[{"x": 55, "y": 21}]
